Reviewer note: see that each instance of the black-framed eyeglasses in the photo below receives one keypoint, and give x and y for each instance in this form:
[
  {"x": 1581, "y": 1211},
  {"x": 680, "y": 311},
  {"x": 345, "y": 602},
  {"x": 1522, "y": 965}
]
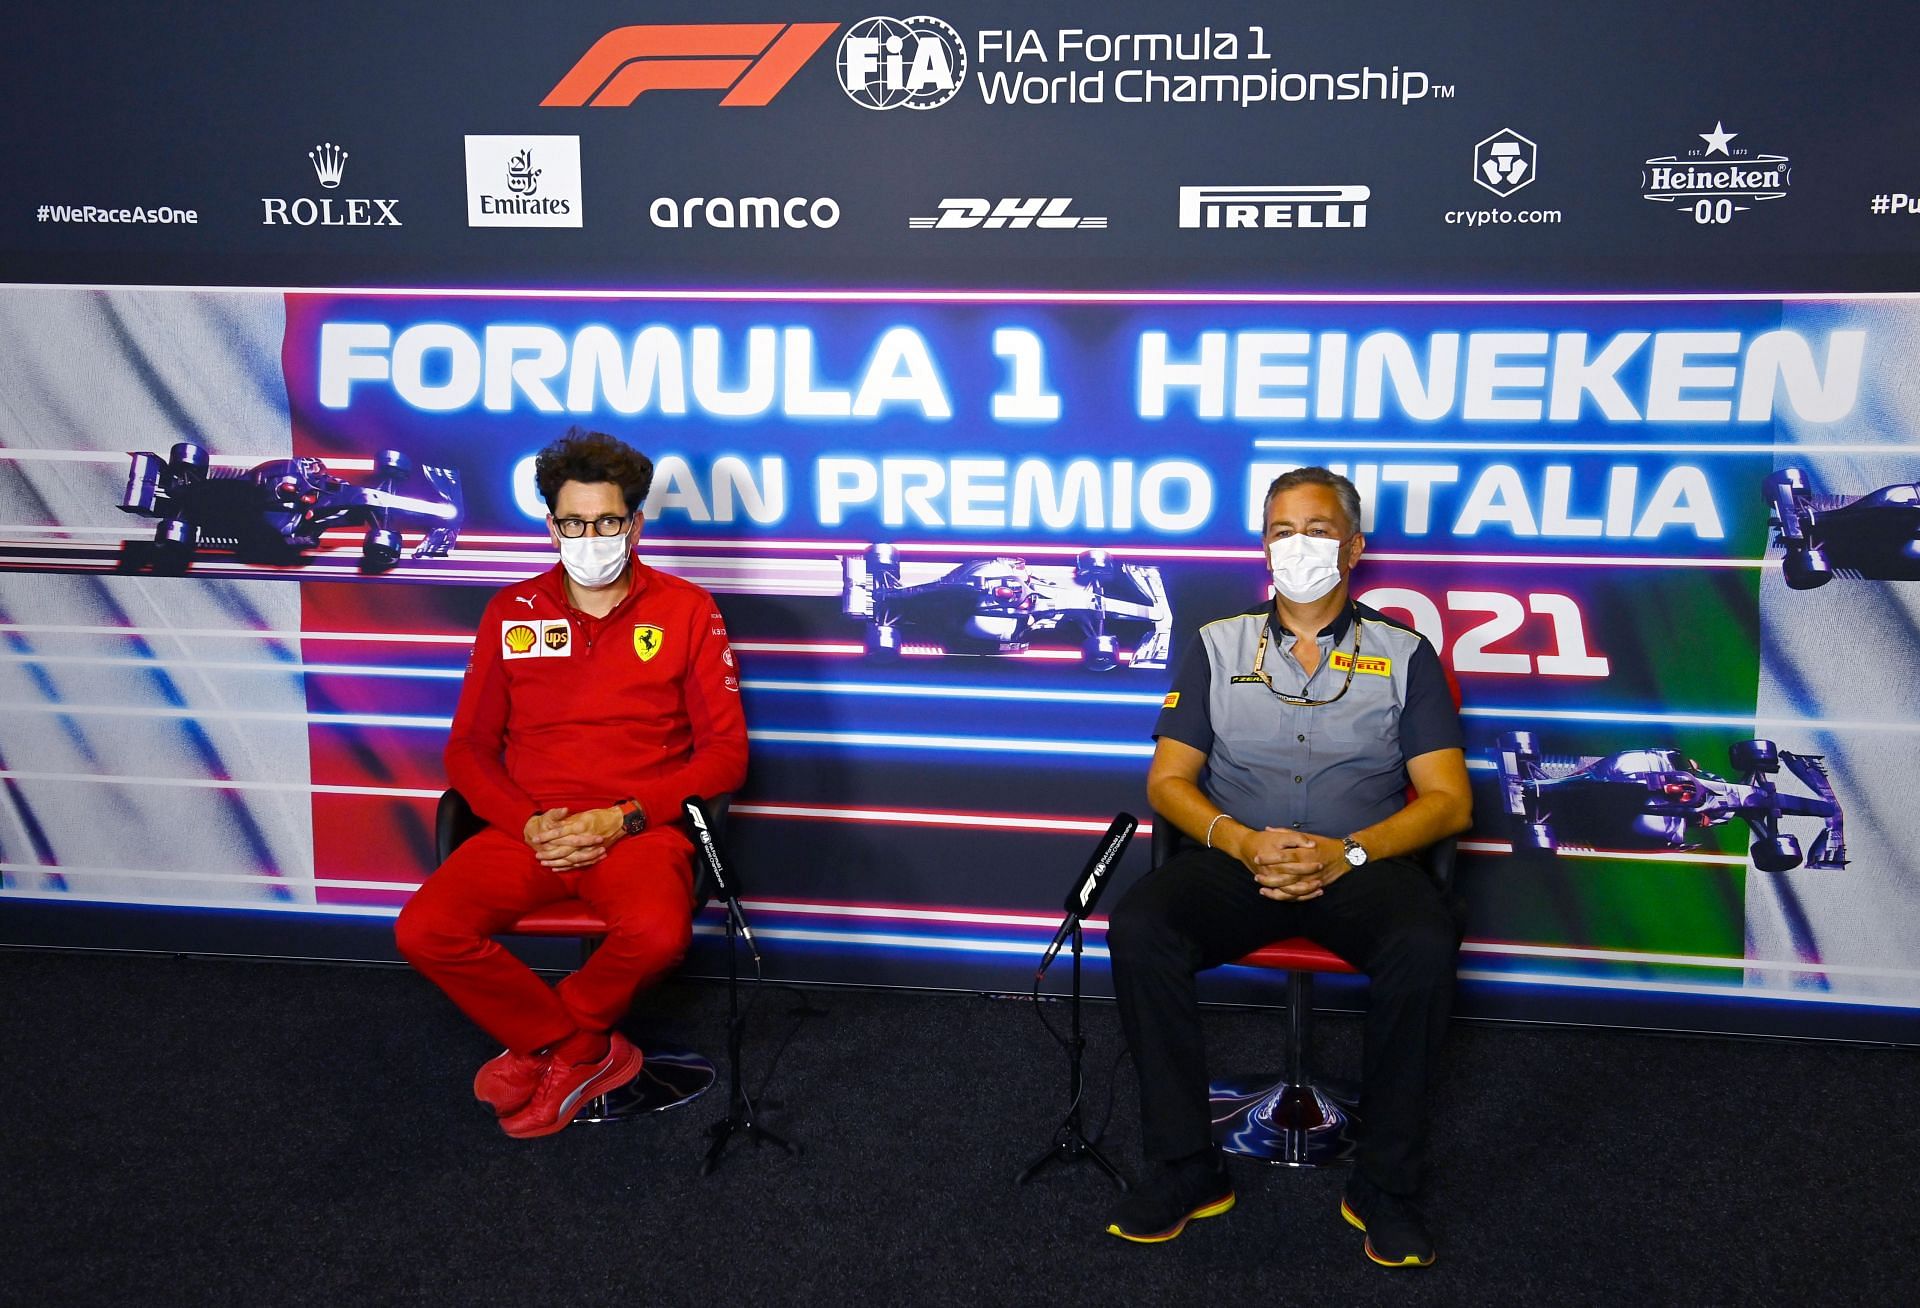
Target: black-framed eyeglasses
[
  {"x": 607, "y": 524},
  {"x": 1302, "y": 701}
]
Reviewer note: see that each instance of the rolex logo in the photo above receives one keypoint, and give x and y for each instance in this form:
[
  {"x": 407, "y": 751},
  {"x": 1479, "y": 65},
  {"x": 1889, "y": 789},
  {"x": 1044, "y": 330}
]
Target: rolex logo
[
  {"x": 329, "y": 162},
  {"x": 522, "y": 177}
]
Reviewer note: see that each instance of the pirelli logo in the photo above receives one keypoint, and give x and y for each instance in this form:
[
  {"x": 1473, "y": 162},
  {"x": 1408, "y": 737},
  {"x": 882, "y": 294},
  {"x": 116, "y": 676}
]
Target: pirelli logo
[
  {"x": 1171, "y": 701},
  {"x": 1372, "y": 663},
  {"x": 751, "y": 62}
]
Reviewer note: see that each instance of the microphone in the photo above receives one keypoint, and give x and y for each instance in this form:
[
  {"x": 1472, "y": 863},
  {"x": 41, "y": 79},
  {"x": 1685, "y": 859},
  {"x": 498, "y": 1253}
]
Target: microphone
[
  {"x": 1085, "y": 892},
  {"x": 716, "y": 868}
]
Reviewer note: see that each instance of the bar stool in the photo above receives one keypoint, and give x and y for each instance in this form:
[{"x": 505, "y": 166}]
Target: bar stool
[{"x": 1291, "y": 1119}]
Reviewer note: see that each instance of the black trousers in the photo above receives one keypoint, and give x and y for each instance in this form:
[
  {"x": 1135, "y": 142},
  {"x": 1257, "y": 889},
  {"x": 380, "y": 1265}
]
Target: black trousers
[{"x": 1202, "y": 908}]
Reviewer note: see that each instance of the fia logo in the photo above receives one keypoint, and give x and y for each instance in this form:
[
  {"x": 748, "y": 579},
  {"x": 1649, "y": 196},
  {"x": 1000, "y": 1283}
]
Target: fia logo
[{"x": 890, "y": 63}]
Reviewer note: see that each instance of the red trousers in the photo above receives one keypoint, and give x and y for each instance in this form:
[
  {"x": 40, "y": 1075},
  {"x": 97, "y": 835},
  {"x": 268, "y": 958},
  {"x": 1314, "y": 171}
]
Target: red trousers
[{"x": 643, "y": 889}]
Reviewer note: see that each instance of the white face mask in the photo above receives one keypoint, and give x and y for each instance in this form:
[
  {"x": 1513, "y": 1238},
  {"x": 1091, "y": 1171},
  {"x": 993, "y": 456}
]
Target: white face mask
[
  {"x": 1304, "y": 567},
  {"x": 595, "y": 561}
]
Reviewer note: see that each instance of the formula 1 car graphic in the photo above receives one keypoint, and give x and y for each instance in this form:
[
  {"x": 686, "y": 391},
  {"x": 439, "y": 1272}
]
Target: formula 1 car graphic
[
  {"x": 276, "y": 510},
  {"x": 1650, "y": 797},
  {"x": 1000, "y": 605},
  {"x": 1874, "y": 536}
]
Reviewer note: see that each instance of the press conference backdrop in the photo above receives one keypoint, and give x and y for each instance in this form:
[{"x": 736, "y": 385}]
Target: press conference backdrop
[{"x": 965, "y": 348}]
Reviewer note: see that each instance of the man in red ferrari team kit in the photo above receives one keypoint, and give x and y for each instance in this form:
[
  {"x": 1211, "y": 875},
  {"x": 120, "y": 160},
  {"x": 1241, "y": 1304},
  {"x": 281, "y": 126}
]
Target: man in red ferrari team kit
[{"x": 600, "y": 696}]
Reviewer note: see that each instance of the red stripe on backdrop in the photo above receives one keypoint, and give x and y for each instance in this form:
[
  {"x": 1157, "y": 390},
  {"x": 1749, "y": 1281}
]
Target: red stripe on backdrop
[
  {"x": 367, "y": 837},
  {"x": 370, "y": 838}
]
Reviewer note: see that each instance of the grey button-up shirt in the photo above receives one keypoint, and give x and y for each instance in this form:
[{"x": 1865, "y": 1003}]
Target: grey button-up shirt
[{"x": 1332, "y": 769}]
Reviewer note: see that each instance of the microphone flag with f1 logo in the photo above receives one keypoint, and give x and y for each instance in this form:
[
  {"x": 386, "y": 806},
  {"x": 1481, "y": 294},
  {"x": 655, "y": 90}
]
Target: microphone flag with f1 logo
[{"x": 1085, "y": 891}]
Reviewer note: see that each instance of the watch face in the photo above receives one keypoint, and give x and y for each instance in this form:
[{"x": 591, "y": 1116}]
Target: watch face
[{"x": 1356, "y": 855}]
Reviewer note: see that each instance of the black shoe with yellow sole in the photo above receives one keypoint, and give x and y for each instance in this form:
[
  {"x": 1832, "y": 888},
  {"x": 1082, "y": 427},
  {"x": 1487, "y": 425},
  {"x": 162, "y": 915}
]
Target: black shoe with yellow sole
[
  {"x": 1170, "y": 1196},
  {"x": 1396, "y": 1234}
]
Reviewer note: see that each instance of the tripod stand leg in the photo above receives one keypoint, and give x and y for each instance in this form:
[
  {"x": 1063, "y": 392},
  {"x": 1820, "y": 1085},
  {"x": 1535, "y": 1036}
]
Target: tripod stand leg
[
  {"x": 720, "y": 1132},
  {"x": 723, "y": 1131},
  {"x": 1071, "y": 1146},
  {"x": 759, "y": 1134},
  {"x": 1113, "y": 1173}
]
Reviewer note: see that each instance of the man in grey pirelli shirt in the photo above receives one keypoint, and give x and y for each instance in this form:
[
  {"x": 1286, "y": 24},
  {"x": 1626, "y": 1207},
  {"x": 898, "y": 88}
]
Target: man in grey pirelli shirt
[{"x": 1287, "y": 747}]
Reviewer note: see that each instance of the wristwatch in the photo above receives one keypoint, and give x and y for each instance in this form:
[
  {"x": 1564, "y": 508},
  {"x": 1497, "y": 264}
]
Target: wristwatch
[
  {"x": 632, "y": 820},
  {"x": 1356, "y": 855}
]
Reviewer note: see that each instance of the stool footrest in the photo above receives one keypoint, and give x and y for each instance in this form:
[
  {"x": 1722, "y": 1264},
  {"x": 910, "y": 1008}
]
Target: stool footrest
[
  {"x": 1294, "y": 1125},
  {"x": 668, "y": 1078}
]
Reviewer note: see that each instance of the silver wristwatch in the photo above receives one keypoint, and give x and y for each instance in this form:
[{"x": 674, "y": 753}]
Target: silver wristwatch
[{"x": 1356, "y": 855}]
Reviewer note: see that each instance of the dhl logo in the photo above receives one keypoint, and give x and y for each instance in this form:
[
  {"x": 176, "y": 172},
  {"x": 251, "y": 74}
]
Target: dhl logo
[
  {"x": 749, "y": 61},
  {"x": 1379, "y": 667}
]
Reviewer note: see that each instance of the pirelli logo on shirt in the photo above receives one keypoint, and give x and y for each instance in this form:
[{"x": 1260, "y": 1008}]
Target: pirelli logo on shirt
[
  {"x": 1171, "y": 701},
  {"x": 536, "y": 638},
  {"x": 1373, "y": 663}
]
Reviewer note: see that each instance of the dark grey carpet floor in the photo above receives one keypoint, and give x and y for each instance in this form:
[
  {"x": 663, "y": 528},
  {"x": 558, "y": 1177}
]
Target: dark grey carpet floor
[{"x": 196, "y": 1132}]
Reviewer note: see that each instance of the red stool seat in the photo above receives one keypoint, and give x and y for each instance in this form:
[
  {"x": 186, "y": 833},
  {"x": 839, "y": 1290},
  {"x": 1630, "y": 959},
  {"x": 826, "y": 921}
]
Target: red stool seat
[
  {"x": 1296, "y": 955},
  {"x": 563, "y": 917}
]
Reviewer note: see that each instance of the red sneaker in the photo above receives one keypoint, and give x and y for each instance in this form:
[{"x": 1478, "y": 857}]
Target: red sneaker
[
  {"x": 506, "y": 1081},
  {"x": 565, "y": 1087}
]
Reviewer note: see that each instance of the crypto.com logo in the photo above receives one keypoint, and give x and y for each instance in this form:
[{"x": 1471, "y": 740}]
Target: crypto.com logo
[{"x": 749, "y": 61}]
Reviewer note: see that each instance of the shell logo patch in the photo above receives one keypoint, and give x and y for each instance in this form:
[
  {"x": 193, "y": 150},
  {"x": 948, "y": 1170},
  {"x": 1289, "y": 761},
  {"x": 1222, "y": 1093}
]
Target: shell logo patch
[
  {"x": 518, "y": 640},
  {"x": 647, "y": 640},
  {"x": 538, "y": 638}
]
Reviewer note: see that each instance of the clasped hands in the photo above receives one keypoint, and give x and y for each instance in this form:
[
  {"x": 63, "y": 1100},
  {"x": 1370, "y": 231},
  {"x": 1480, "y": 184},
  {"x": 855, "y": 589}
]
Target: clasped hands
[
  {"x": 1292, "y": 865},
  {"x": 569, "y": 843}
]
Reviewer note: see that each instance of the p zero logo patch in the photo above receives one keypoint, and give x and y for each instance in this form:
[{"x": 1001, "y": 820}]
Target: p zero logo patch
[
  {"x": 647, "y": 640},
  {"x": 749, "y": 61},
  {"x": 1171, "y": 701},
  {"x": 1372, "y": 663},
  {"x": 519, "y": 640},
  {"x": 1247, "y": 679},
  {"x": 543, "y": 637}
]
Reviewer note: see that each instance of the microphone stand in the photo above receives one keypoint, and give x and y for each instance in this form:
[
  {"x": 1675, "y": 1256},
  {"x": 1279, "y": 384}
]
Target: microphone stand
[
  {"x": 1070, "y": 1143},
  {"x": 740, "y": 1113}
]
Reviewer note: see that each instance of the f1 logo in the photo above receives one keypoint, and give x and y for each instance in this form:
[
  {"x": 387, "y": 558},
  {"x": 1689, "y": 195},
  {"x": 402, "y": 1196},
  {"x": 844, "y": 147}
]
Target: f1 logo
[{"x": 749, "y": 61}]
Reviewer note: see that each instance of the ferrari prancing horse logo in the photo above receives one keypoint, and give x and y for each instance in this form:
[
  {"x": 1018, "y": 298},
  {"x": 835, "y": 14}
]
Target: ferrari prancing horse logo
[{"x": 647, "y": 640}]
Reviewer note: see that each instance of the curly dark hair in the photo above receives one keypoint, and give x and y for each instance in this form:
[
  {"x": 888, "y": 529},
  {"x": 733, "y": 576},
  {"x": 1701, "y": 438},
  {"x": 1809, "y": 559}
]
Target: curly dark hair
[{"x": 593, "y": 456}]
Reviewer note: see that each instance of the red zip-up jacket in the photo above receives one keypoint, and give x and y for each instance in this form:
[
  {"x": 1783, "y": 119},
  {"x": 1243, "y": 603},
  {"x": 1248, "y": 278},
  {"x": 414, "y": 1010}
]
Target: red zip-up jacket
[{"x": 560, "y": 709}]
